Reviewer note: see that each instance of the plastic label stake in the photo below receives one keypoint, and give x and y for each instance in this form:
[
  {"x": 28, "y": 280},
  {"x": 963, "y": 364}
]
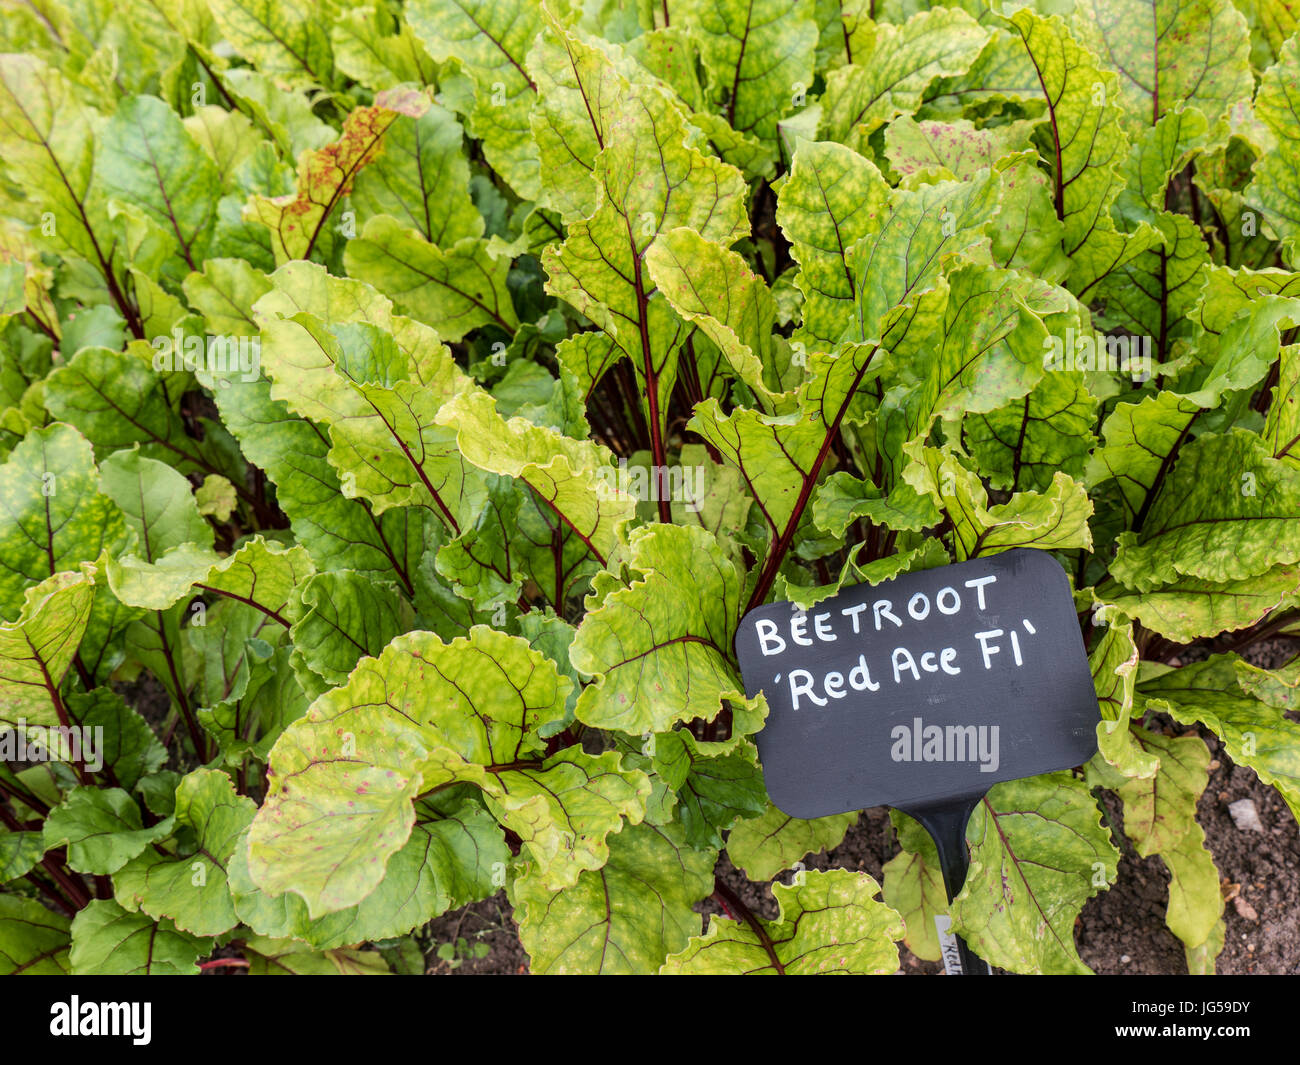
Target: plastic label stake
[{"x": 921, "y": 693}]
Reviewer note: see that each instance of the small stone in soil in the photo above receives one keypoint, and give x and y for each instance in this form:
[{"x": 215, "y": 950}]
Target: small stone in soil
[
  {"x": 1125, "y": 959},
  {"x": 1245, "y": 816}
]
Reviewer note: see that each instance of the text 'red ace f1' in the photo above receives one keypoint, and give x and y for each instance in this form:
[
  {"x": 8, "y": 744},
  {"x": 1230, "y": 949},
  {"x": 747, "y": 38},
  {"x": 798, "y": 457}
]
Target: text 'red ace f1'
[{"x": 923, "y": 689}]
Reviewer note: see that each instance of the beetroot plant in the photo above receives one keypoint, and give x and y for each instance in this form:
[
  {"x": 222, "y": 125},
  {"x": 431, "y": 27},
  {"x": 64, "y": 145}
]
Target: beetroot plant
[{"x": 402, "y": 403}]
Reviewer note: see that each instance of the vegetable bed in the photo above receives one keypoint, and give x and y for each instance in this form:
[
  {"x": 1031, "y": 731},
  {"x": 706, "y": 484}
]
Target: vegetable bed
[{"x": 402, "y": 403}]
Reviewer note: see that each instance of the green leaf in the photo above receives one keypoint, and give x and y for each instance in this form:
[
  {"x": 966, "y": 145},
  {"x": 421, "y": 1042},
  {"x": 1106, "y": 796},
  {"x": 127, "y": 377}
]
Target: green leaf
[
  {"x": 1084, "y": 137},
  {"x": 715, "y": 289},
  {"x": 297, "y": 221},
  {"x": 33, "y": 940},
  {"x": 19, "y": 852},
  {"x": 1024, "y": 443},
  {"x": 1038, "y": 849},
  {"x": 1160, "y": 810},
  {"x": 828, "y": 922},
  {"x": 455, "y": 289},
  {"x": 336, "y": 531},
  {"x": 366, "y": 752},
  {"x": 758, "y": 56},
  {"x": 717, "y": 784},
  {"x": 369, "y": 48},
  {"x": 1195, "y": 907},
  {"x": 490, "y": 40},
  {"x": 1152, "y": 294},
  {"x": 1186, "y": 609},
  {"x": 381, "y": 404},
  {"x": 190, "y": 887},
  {"x": 109, "y": 941},
  {"x": 660, "y": 646},
  {"x": 101, "y": 828},
  {"x": 892, "y": 67},
  {"x": 986, "y": 350},
  {"x": 126, "y": 744},
  {"x": 224, "y": 293},
  {"x": 763, "y": 846},
  {"x": 288, "y": 41},
  {"x": 421, "y": 179},
  {"x": 566, "y": 475},
  {"x": 1200, "y": 959},
  {"x": 1275, "y": 190},
  {"x": 47, "y": 136},
  {"x": 1227, "y": 511},
  {"x": 624, "y": 917},
  {"x": 1278, "y": 688},
  {"x": 286, "y": 116},
  {"x": 1254, "y": 733},
  {"x": 913, "y": 885},
  {"x": 904, "y": 253},
  {"x": 578, "y": 87},
  {"x": 1114, "y": 664},
  {"x": 116, "y": 400},
  {"x": 249, "y": 721},
  {"x": 145, "y": 156},
  {"x": 38, "y": 647},
  {"x": 216, "y": 498},
  {"x": 456, "y": 855},
  {"x": 948, "y": 150},
  {"x": 55, "y": 517},
  {"x": 158, "y": 504},
  {"x": 651, "y": 180},
  {"x": 829, "y": 202},
  {"x": 1050, "y": 520},
  {"x": 775, "y": 455},
  {"x": 261, "y": 574},
  {"x": 289, "y": 957},
  {"x": 1172, "y": 54},
  {"x": 1282, "y": 427},
  {"x": 342, "y": 616}
]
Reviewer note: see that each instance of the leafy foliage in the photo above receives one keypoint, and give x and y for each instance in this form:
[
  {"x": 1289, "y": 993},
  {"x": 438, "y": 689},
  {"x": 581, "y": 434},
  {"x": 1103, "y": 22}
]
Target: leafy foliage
[{"x": 401, "y": 405}]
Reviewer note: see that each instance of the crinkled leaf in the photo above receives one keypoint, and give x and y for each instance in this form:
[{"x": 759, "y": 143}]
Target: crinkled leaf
[
  {"x": 1254, "y": 733},
  {"x": 491, "y": 40},
  {"x": 660, "y": 647},
  {"x": 1035, "y": 848},
  {"x": 624, "y": 917},
  {"x": 829, "y": 922},
  {"x": 1227, "y": 511},
  {"x": 762, "y": 846}
]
